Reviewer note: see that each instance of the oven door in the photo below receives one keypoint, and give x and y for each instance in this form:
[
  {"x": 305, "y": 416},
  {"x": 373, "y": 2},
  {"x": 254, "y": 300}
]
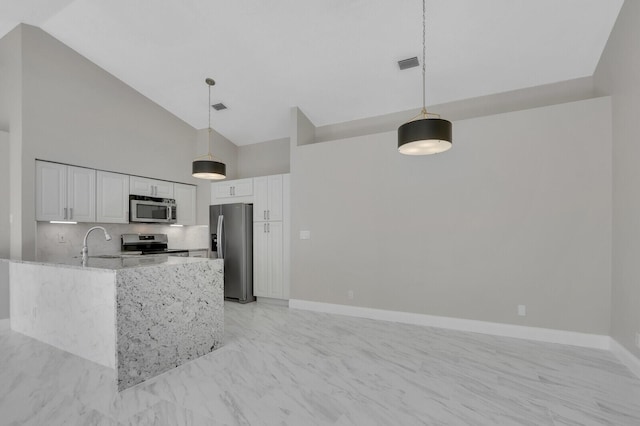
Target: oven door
[{"x": 151, "y": 211}]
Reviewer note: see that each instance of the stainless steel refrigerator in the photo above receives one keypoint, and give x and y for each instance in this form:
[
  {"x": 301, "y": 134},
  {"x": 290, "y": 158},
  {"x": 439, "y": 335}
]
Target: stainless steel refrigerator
[{"x": 231, "y": 228}]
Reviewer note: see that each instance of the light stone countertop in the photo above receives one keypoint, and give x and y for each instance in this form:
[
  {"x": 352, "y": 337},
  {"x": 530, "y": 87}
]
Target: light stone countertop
[{"x": 115, "y": 264}]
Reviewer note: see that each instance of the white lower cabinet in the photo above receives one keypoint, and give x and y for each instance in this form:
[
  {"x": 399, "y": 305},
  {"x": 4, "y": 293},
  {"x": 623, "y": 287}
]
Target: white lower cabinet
[
  {"x": 112, "y": 197},
  {"x": 199, "y": 253},
  {"x": 268, "y": 257}
]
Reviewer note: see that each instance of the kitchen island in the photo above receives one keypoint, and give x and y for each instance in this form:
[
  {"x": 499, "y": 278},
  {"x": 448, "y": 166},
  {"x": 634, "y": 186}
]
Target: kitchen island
[{"x": 138, "y": 315}]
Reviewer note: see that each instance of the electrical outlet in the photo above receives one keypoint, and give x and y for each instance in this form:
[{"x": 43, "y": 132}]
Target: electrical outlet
[
  {"x": 638, "y": 340},
  {"x": 305, "y": 235},
  {"x": 350, "y": 294},
  {"x": 522, "y": 310},
  {"x": 62, "y": 238}
]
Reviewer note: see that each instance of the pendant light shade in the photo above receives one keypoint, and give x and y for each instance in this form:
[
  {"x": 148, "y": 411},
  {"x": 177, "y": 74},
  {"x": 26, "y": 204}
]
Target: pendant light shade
[
  {"x": 207, "y": 167},
  {"x": 424, "y": 135}
]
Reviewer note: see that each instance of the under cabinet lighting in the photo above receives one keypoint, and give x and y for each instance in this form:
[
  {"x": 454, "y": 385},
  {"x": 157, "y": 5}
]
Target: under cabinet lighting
[
  {"x": 64, "y": 222},
  {"x": 176, "y": 225}
]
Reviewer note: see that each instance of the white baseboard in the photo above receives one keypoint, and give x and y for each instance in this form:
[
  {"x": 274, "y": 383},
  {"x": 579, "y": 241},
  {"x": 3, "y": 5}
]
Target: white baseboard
[
  {"x": 498, "y": 329},
  {"x": 270, "y": 301},
  {"x": 626, "y": 357},
  {"x": 5, "y": 324}
]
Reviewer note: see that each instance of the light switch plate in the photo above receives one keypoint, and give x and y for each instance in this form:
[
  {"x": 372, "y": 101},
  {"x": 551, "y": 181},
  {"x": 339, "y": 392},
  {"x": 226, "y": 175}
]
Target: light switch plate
[
  {"x": 305, "y": 235},
  {"x": 62, "y": 238}
]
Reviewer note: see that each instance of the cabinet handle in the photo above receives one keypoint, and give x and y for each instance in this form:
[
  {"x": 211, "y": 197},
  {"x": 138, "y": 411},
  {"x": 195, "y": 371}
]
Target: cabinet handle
[
  {"x": 268, "y": 228},
  {"x": 65, "y": 213},
  {"x": 70, "y": 212},
  {"x": 230, "y": 191},
  {"x": 269, "y": 214},
  {"x": 264, "y": 230},
  {"x": 234, "y": 191},
  {"x": 264, "y": 214}
]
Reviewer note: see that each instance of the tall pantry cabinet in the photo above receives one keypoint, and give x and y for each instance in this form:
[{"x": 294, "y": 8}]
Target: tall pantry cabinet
[
  {"x": 269, "y": 236},
  {"x": 271, "y": 228}
]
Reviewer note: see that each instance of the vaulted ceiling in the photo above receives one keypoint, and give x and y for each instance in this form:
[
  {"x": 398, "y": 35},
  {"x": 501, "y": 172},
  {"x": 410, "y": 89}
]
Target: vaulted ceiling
[{"x": 335, "y": 59}]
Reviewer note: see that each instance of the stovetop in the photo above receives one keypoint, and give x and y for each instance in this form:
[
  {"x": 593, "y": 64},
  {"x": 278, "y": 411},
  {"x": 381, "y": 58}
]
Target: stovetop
[{"x": 147, "y": 244}]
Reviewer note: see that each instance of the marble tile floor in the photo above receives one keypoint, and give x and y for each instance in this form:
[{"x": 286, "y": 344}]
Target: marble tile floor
[{"x": 289, "y": 367}]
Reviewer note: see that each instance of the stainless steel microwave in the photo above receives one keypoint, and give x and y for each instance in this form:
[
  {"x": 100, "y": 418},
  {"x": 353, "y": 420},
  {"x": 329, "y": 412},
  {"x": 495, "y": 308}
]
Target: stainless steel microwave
[{"x": 152, "y": 210}]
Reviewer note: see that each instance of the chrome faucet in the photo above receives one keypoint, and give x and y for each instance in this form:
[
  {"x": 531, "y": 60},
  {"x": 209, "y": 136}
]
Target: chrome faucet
[{"x": 85, "y": 249}]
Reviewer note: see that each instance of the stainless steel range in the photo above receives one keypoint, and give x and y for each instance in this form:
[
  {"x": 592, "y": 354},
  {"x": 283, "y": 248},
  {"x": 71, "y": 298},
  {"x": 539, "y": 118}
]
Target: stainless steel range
[{"x": 149, "y": 244}]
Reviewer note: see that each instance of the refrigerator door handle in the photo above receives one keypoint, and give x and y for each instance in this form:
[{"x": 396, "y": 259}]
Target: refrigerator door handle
[{"x": 220, "y": 237}]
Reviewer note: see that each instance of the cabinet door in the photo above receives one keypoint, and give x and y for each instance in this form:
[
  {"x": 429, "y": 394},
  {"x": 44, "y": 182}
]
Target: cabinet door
[
  {"x": 260, "y": 260},
  {"x": 198, "y": 253},
  {"x": 242, "y": 187},
  {"x": 141, "y": 186},
  {"x": 51, "y": 191},
  {"x": 112, "y": 197},
  {"x": 260, "y": 199},
  {"x": 275, "y": 243},
  {"x": 81, "y": 194},
  {"x": 185, "y": 196},
  {"x": 223, "y": 189},
  {"x": 163, "y": 189},
  {"x": 274, "y": 208}
]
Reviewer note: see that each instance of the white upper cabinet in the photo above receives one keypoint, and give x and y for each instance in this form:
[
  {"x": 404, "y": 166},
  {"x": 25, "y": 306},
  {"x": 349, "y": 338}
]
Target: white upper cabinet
[
  {"x": 164, "y": 189},
  {"x": 185, "y": 196},
  {"x": 232, "y": 191},
  {"x": 112, "y": 197},
  {"x": 65, "y": 192},
  {"x": 234, "y": 188},
  {"x": 51, "y": 191},
  {"x": 81, "y": 194},
  {"x": 267, "y": 200},
  {"x": 150, "y": 187}
]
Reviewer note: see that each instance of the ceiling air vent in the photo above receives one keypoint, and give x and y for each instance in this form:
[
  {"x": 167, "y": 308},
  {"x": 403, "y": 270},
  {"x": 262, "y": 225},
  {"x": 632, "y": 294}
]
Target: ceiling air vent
[
  {"x": 219, "y": 107},
  {"x": 408, "y": 63}
]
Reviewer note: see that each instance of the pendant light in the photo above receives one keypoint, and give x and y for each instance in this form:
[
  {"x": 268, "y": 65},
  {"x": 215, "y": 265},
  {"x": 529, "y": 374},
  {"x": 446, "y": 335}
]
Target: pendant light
[
  {"x": 425, "y": 133},
  {"x": 207, "y": 167}
]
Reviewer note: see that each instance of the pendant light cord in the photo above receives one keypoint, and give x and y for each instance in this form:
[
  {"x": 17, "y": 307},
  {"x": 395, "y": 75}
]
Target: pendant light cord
[
  {"x": 424, "y": 57},
  {"x": 209, "y": 111}
]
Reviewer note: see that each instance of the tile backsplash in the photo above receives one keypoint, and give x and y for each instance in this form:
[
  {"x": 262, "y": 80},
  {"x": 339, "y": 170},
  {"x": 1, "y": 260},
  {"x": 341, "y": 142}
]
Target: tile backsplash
[{"x": 49, "y": 247}]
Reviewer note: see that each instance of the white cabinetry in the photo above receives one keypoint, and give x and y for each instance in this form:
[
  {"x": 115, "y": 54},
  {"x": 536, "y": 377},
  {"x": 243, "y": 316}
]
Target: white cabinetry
[
  {"x": 185, "y": 196},
  {"x": 271, "y": 237},
  {"x": 232, "y": 191},
  {"x": 267, "y": 200},
  {"x": 150, "y": 187},
  {"x": 199, "y": 253},
  {"x": 65, "y": 192},
  {"x": 112, "y": 197},
  {"x": 268, "y": 254}
]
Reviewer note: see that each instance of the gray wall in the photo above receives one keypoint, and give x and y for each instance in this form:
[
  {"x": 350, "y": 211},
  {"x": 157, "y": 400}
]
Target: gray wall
[
  {"x": 77, "y": 113},
  {"x": 518, "y": 212},
  {"x": 618, "y": 74},
  {"x": 4, "y": 289},
  {"x": 263, "y": 159},
  {"x": 11, "y": 121},
  {"x": 5, "y": 229}
]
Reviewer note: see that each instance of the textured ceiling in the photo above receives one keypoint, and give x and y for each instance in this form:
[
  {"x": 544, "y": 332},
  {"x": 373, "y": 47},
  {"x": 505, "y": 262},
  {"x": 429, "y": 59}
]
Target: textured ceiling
[{"x": 335, "y": 59}]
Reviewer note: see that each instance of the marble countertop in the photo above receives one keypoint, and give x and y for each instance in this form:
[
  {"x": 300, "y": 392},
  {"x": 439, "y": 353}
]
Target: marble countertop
[{"x": 114, "y": 264}]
